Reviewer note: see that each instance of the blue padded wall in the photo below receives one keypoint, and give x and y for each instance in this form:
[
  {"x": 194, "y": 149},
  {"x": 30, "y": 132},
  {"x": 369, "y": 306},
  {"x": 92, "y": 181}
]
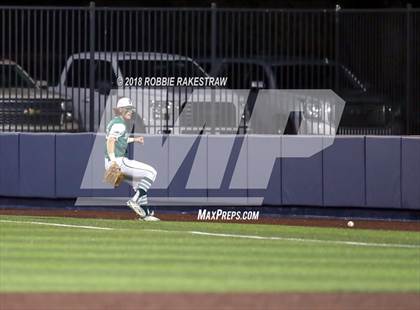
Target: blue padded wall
[
  {"x": 37, "y": 165},
  {"x": 264, "y": 169},
  {"x": 9, "y": 164},
  {"x": 72, "y": 155},
  {"x": 383, "y": 172},
  {"x": 187, "y": 174},
  {"x": 302, "y": 177},
  {"x": 219, "y": 151},
  {"x": 410, "y": 174},
  {"x": 344, "y": 172},
  {"x": 354, "y": 171},
  {"x": 236, "y": 176}
]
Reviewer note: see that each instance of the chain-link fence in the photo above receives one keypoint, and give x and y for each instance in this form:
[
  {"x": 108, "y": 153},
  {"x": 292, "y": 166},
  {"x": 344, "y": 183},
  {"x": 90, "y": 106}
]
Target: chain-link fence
[{"x": 60, "y": 66}]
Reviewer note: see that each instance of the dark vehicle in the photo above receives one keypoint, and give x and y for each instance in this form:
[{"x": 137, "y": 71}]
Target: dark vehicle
[
  {"x": 365, "y": 111},
  {"x": 25, "y": 105},
  {"x": 159, "y": 106}
]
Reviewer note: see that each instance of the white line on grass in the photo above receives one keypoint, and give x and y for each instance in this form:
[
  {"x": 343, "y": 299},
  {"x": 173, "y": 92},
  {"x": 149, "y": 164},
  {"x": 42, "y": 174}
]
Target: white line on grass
[
  {"x": 341, "y": 242},
  {"x": 58, "y": 225}
]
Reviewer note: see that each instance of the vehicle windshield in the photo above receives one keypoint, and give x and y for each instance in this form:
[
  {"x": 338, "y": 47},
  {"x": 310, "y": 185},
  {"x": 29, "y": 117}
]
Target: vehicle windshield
[
  {"x": 11, "y": 76},
  {"x": 312, "y": 77},
  {"x": 160, "y": 68}
]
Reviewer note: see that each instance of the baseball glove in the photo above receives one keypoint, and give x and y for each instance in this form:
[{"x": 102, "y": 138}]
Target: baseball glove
[{"x": 113, "y": 175}]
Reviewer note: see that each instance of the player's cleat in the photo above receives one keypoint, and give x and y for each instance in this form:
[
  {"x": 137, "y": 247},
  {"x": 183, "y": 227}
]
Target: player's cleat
[
  {"x": 150, "y": 218},
  {"x": 136, "y": 208}
]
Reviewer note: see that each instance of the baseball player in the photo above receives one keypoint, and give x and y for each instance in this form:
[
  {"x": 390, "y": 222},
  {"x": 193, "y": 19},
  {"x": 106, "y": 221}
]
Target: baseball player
[{"x": 139, "y": 175}]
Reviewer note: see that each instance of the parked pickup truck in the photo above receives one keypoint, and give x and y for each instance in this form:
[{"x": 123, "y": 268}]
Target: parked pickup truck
[
  {"x": 167, "y": 109},
  {"x": 26, "y": 106},
  {"x": 365, "y": 112},
  {"x": 158, "y": 107}
]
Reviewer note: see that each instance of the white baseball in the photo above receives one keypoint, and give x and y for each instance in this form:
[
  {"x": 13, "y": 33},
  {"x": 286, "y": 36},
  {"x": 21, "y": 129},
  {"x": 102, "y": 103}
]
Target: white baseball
[{"x": 350, "y": 224}]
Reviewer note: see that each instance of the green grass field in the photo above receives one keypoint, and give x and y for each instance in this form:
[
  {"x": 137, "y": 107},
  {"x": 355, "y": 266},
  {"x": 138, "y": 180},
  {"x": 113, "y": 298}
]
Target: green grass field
[{"x": 168, "y": 257}]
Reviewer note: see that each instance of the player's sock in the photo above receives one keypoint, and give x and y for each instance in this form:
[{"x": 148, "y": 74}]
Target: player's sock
[
  {"x": 141, "y": 193},
  {"x": 145, "y": 184},
  {"x": 142, "y": 200}
]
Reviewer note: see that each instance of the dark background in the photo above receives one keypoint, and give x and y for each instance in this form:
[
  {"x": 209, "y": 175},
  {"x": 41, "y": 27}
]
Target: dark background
[
  {"x": 379, "y": 46},
  {"x": 227, "y": 3}
]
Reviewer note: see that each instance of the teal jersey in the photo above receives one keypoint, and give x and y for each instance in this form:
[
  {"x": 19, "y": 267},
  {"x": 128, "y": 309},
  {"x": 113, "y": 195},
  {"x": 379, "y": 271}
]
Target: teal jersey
[{"x": 117, "y": 128}]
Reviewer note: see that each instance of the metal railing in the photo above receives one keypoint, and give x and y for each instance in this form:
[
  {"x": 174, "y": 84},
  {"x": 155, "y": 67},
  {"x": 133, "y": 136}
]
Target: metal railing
[{"x": 60, "y": 66}]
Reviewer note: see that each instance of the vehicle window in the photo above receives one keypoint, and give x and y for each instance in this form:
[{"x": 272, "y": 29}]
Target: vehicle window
[
  {"x": 104, "y": 73},
  {"x": 159, "y": 68},
  {"x": 241, "y": 75},
  {"x": 78, "y": 74},
  {"x": 12, "y": 76},
  {"x": 311, "y": 77},
  {"x": 304, "y": 76}
]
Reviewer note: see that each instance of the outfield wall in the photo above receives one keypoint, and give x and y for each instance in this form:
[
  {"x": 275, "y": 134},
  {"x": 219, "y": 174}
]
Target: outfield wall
[{"x": 355, "y": 171}]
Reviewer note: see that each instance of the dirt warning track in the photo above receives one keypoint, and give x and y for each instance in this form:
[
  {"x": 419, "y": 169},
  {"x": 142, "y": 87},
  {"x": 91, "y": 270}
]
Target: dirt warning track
[
  {"x": 313, "y": 222},
  {"x": 198, "y": 301}
]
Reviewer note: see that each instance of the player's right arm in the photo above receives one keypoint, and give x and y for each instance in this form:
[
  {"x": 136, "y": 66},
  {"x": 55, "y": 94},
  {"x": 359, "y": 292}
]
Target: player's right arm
[
  {"x": 116, "y": 131},
  {"x": 110, "y": 147}
]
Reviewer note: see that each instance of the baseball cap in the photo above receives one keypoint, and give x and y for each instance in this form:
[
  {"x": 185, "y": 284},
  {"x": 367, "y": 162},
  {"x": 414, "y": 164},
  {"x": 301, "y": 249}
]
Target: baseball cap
[{"x": 125, "y": 102}]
